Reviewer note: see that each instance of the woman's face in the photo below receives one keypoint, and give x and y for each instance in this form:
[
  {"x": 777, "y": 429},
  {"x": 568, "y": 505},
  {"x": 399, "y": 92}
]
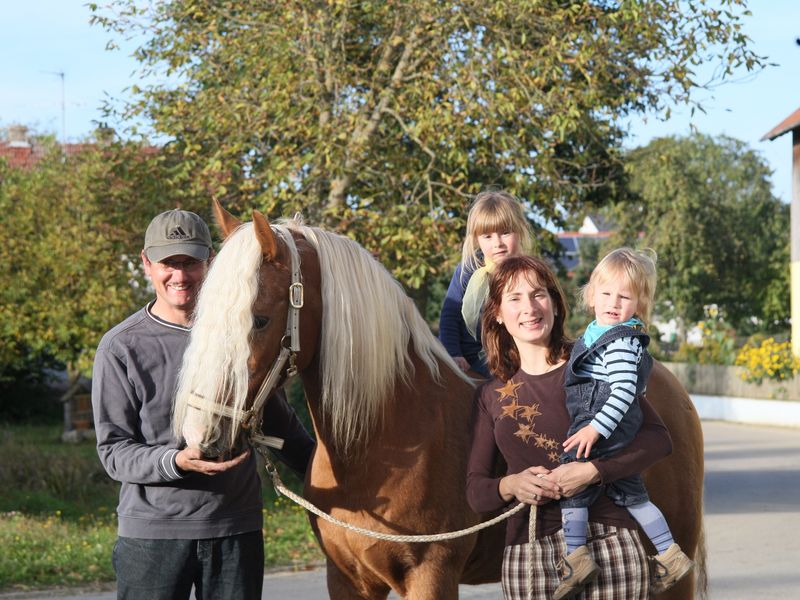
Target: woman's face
[{"x": 527, "y": 311}]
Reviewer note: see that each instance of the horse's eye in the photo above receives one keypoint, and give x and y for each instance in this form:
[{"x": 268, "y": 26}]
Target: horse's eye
[{"x": 260, "y": 322}]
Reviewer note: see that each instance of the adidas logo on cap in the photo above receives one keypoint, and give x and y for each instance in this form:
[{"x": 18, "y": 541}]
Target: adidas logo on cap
[{"x": 178, "y": 234}]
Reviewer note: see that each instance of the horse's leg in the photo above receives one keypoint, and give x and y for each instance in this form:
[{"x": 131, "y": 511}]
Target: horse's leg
[
  {"x": 436, "y": 571},
  {"x": 426, "y": 583},
  {"x": 341, "y": 588}
]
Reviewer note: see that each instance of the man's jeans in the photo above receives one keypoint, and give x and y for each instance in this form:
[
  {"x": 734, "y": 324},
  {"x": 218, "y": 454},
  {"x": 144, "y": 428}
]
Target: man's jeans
[{"x": 229, "y": 568}]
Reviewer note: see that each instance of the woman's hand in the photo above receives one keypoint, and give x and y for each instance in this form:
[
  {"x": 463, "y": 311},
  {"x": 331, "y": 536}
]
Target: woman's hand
[
  {"x": 530, "y": 486},
  {"x": 574, "y": 477}
]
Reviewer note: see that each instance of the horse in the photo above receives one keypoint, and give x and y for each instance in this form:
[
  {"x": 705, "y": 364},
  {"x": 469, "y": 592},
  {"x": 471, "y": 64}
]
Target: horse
[{"x": 389, "y": 408}]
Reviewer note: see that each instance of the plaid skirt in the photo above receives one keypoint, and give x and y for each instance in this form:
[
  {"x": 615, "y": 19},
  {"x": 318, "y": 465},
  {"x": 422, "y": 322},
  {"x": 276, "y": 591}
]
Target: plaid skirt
[{"x": 618, "y": 552}]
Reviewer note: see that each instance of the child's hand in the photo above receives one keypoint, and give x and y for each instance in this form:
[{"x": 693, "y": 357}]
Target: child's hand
[
  {"x": 584, "y": 439},
  {"x": 462, "y": 363}
]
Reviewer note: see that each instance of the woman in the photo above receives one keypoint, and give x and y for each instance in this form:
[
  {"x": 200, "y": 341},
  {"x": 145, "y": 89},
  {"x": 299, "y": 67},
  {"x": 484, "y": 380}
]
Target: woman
[{"x": 521, "y": 416}]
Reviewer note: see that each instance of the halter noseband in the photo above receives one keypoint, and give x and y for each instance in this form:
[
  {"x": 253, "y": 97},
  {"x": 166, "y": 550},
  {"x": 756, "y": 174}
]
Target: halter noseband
[{"x": 290, "y": 346}]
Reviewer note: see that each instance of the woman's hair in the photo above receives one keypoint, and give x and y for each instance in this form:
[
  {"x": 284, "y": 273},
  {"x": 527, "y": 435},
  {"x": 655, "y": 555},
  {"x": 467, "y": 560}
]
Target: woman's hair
[
  {"x": 494, "y": 211},
  {"x": 639, "y": 269},
  {"x": 501, "y": 350}
]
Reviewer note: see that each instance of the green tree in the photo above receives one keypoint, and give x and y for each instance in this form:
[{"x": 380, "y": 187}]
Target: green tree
[
  {"x": 381, "y": 118},
  {"x": 73, "y": 228},
  {"x": 705, "y": 205}
]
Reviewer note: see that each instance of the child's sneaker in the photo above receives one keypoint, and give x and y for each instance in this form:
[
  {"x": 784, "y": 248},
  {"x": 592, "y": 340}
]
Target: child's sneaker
[
  {"x": 577, "y": 570},
  {"x": 669, "y": 567}
]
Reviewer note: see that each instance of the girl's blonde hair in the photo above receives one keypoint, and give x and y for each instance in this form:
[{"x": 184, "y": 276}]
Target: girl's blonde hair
[
  {"x": 638, "y": 267},
  {"x": 494, "y": 211}
]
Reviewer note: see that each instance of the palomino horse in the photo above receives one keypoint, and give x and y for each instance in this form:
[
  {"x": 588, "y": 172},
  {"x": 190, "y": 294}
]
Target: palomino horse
[{"x": 390, "y": 409}]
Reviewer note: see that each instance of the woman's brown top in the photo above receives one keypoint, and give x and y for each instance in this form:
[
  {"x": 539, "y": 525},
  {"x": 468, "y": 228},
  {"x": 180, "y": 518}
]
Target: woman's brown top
[{"x": 525, "y": 421}]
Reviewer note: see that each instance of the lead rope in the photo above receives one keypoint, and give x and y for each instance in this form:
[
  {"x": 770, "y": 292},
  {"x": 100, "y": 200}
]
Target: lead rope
[
  {"x": 389, "y": 537},
  {"x": 531, "y": 540}
]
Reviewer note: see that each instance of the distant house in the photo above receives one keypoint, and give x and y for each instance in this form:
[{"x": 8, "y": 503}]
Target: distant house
[
  {"x": 594, "y": 227},
  {"x": 23, "y": 152}
]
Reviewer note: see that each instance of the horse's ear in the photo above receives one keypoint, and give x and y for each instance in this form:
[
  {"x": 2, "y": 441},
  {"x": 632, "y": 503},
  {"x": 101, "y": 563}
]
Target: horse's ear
[
  {"x": 264, "y": 235},
  {"x": 226, "y": 221}
]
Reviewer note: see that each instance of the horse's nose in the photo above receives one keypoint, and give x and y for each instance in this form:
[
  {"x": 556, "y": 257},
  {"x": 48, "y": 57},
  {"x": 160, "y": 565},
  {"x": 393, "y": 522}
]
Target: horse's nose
[{"x": 210, "y": 450}]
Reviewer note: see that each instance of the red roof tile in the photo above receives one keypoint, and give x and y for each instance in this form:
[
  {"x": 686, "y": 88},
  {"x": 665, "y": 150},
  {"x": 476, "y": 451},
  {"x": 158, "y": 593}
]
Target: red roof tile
[{"x": 25, "y": 156}]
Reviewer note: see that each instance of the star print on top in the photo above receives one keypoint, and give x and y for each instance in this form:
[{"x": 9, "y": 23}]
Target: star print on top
[
  {"x": 525, "y": 416},
  {"x": 509, "y": 390}
]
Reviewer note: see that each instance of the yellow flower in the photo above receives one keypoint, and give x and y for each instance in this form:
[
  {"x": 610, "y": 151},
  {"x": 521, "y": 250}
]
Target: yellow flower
[{"x": 770, "y": 360}]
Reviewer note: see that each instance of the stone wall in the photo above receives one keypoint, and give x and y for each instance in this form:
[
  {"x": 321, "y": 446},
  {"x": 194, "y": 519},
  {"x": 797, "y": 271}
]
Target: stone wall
[{"x": 719, "y": 380}]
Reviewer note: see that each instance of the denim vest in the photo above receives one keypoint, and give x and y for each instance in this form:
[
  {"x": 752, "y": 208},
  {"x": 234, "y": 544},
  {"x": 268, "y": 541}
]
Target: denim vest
[{"x": 586, "y": 396}]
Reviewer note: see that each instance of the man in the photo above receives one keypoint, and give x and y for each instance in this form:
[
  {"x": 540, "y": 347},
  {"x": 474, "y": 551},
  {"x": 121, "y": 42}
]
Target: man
[{"x": 183, "y": 521}]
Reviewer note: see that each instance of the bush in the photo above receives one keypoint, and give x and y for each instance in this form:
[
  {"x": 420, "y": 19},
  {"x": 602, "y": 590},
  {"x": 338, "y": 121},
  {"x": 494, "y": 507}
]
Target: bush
[
  {"x": 717, "y": 341},
  {"x": 28, "y": 396},
  {"x": 767, "y": 360}
]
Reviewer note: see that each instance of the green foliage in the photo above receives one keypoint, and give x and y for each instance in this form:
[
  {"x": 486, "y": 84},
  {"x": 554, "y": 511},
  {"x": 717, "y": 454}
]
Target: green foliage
[
  {"x": 288, "y": 539},
  {"x": 717, "y": 343},
  {"x": 25, "y": 397},
  {"x": 42, "y": 551},
  {"x": 381, "y": 119},
  {"x": 68, "y": 267},
  {"x": 42, "y": 475},
  {"x": 589, "y": 253},
  {"x": 770, "y": 360},
  {"x": 706, "y": 207}
]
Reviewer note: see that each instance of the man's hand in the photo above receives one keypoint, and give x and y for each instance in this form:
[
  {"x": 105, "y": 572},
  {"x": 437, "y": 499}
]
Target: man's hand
[
  {"x": 191, "y": 459},
  {"x": 584, "y": 439}
]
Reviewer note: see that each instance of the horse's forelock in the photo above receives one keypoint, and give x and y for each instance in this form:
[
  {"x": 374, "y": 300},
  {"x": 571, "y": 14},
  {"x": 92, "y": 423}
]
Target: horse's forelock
[{"x": 215, "y": 362}]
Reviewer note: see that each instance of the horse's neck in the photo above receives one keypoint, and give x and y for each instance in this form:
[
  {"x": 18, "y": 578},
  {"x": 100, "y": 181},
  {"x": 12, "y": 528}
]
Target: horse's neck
[{"x": 419, "y": 416}]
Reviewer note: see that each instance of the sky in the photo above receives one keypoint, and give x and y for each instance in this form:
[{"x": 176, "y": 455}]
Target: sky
[{"x": 44, "y": 38}]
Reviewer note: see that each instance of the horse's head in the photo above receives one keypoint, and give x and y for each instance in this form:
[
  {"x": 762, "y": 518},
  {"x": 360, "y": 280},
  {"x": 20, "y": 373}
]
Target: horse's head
[
  {"x": 245, "y": 335},
  {"x": 358, "y": 327}
]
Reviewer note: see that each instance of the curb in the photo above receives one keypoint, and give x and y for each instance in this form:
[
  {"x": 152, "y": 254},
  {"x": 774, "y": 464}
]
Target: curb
[{"x": 747, "y": 410}]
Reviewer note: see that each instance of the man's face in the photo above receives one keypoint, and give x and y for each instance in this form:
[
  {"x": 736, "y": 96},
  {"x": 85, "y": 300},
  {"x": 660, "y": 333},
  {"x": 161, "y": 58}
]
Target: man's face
[{"x": 177, "y": 281}]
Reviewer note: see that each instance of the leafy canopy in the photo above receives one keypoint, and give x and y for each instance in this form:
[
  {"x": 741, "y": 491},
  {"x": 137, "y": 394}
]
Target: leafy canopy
[
  {"x": 381, "y": 118},
  {"x": 706, "y": 206},
  {"x": 68, "y": 264}
]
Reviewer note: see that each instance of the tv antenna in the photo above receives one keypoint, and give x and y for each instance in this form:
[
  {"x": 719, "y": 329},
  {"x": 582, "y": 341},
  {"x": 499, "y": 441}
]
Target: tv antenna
[{"x": 61, "y": 75}]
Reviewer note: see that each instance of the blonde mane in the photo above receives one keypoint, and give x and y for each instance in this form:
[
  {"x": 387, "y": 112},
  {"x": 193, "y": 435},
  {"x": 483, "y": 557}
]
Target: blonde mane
[
  {"x": 367, "y": 324},
  {"x": 215, "y": 362}
]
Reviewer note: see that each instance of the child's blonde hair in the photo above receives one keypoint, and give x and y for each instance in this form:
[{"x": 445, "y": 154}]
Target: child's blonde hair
[
  {"x": 494, "y": 211},
  {"x": 638, "y": 267}
]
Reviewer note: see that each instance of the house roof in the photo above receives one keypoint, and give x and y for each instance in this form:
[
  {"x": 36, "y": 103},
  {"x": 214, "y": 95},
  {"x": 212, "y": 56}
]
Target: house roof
[
  {"x": 788, "y": 124},
  {"x": 25, "y": 156}
]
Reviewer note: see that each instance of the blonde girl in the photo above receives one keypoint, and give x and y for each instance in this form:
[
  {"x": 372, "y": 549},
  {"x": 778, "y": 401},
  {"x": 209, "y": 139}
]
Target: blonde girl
[{"x": 497, "y": 228}]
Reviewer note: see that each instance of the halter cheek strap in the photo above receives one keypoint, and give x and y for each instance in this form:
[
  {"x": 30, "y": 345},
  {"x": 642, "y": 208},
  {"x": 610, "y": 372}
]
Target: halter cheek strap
[{"x": 290, "y": 343}]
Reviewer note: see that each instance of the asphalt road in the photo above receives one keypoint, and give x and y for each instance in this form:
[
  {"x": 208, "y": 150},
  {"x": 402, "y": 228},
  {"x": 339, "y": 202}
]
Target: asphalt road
[{"x": 752, "y": 504}]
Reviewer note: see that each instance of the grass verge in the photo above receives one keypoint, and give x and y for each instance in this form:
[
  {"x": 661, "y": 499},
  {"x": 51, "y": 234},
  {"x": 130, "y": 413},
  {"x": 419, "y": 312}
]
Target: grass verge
[{"x": 57, "y": 520}]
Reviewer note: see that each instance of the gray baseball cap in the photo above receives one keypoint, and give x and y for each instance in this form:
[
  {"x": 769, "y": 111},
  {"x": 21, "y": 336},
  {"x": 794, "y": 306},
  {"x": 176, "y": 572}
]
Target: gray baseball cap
[{"x": 177, "y": 232}]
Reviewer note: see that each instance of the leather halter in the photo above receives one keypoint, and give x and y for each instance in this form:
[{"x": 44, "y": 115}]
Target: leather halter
[{"x": 290, "y": 346}]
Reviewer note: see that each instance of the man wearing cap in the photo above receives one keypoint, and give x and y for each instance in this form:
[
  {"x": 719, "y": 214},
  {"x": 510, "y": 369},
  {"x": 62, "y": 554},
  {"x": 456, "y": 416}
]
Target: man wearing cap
[{"x": 183, "y": 521}]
